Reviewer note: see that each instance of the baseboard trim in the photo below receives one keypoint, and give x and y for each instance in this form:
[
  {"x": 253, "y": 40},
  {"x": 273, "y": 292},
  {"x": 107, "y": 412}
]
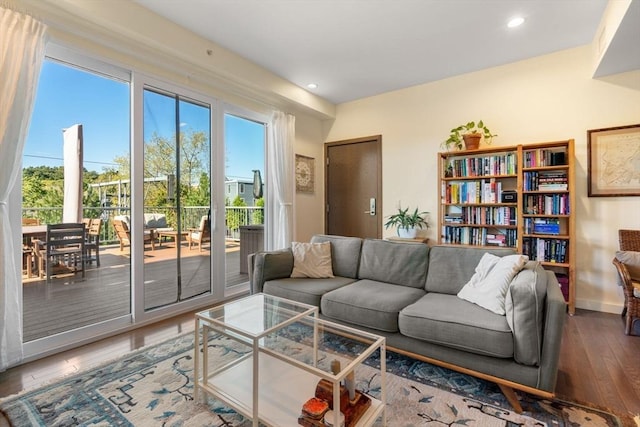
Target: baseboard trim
[{"x": 599, "y": 306}]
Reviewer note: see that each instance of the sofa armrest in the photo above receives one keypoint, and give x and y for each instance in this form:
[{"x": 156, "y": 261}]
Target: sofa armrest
[
  {"x": 555, "y": 315},
  {"x": 264, "y": 266}
]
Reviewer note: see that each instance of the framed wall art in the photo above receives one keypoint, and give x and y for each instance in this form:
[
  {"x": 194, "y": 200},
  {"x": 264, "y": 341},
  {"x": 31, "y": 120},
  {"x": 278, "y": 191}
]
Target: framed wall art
[
  {"x": 614, "y": 161},
  {"x": 305, "y": 174}
]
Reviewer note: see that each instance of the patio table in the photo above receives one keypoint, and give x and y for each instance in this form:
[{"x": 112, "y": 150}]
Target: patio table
[{"x": 177, "y": 237}]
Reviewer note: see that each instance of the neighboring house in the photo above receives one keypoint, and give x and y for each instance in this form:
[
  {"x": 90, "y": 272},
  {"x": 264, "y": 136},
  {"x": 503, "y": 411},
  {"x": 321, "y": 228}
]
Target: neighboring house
[{"x": 237, "y": 186}]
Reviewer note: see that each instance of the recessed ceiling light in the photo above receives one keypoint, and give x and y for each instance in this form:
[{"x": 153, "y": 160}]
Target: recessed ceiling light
[
  {"x": 312, "y": 86},
  {"x": 515, "y": 22}
]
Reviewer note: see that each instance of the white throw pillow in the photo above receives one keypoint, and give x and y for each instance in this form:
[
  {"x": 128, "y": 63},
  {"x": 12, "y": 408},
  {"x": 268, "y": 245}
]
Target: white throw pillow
[
  {"x": 488, "y": 286},
  {"x": 312, "y": 260}
]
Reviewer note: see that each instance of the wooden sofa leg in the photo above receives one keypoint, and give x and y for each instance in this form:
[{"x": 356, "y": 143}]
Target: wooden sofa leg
[{"x": 511, "y": 397}]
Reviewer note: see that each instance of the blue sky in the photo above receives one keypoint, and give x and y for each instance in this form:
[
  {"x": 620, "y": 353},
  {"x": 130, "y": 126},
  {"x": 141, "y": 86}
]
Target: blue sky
[{"x": 68, "y": 96}]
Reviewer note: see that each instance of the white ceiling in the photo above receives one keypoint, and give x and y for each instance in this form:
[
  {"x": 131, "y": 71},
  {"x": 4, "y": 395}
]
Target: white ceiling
[{"x": 358, "y": 48}]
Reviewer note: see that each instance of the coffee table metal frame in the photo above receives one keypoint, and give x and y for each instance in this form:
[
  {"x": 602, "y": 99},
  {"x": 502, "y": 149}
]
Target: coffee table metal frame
[{"x": 274, "y": 373}]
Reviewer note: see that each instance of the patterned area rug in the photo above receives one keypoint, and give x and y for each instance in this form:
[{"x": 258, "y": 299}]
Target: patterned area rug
[{"x": 154, "y": 386}]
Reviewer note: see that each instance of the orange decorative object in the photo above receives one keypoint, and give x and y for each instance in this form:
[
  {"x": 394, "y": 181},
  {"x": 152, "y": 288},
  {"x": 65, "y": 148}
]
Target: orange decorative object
[{"x": 315, "y": 407}]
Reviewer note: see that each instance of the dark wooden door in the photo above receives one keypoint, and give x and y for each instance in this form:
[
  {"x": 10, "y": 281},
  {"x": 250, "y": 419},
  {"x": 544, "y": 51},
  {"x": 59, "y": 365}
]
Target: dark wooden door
[{"x": 353, "y": 187}]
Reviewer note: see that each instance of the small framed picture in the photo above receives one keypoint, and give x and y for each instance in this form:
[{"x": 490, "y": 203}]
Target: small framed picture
[
  {"x": 305, "y": 174},
  {"x": 614, "y": 161}
]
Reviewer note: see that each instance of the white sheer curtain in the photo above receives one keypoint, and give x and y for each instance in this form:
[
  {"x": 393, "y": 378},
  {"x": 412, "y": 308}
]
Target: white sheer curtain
[
  {"x": 280, "y": 183},
  {"x": 22, "y": 42}
]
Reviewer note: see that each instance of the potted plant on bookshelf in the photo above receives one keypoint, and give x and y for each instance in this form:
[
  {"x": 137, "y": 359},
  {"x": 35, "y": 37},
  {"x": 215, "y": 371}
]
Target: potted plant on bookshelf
[
  {"x": 469, "y": 136},
  {"x": 407, "y": 223}
]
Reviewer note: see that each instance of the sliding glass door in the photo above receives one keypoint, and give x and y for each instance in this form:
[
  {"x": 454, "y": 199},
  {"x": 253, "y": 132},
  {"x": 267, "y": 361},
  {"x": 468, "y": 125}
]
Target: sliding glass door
[
  {"x": 244, "y": 142},
  {"x": 177, "y": 198}
]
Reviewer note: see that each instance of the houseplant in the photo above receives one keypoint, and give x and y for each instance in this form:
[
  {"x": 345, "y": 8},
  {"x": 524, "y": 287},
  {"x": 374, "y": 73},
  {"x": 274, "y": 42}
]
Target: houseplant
[
  {"x": 407, "y": 223},
  {"x": 469, "y": 135}
]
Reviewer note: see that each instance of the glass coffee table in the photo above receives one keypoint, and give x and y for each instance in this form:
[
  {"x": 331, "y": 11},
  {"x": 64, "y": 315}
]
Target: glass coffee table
[{"x": 283, "y": 357}]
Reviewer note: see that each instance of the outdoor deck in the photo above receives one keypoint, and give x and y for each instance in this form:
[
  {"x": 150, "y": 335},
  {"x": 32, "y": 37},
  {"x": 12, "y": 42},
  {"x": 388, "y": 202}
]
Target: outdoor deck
[{"x": 71, "y": 301}]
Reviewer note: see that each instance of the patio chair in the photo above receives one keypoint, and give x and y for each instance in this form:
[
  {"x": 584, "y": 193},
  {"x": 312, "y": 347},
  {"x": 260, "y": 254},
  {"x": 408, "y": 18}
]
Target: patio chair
[
  {"x": 63, "y": 247},
  {"x": 124, "y": 234},
  {"x": 200, "y": 234},
  {"x": 93, "y": 240},
  {"x": 30, "y": 221}
]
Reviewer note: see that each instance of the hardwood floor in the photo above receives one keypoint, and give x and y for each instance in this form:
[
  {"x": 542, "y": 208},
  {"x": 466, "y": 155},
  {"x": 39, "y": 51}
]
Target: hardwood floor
[{"x": 598, "y": 364}]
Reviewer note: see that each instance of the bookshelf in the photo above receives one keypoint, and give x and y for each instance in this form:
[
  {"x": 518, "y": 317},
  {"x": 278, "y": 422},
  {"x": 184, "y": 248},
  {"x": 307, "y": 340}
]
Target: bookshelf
[{"x": 515, "y": 196}]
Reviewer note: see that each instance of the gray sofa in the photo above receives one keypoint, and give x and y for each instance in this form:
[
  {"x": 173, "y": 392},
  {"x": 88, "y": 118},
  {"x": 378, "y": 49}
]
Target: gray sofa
[{"x": 408, "y": 293}]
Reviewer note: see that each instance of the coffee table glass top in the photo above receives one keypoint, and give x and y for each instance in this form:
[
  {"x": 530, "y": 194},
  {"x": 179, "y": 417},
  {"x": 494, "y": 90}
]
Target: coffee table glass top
[{"x": 253, "y": 316}]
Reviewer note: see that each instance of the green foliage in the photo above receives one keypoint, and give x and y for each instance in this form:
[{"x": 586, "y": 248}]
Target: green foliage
[
  {"x": 199, "y": 195},
  {"x": 405, "y": 219},
  {"x": 258, "y": 214},
  {"x": 238, "y": 201},
  {"x": 455, "y": 138},
  {"x": 234, "y": 216}
]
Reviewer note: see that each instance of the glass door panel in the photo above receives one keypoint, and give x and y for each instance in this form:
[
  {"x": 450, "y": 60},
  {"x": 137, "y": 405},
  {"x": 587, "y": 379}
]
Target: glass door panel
[
  {"x": 244, "y": 141},
  {"x": 177, "y": 199},
  {"x": 88, "y": 112}
]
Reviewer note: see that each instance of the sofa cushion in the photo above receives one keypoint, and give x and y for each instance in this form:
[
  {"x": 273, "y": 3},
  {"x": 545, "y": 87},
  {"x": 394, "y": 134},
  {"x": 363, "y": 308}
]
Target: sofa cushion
[
  {"x": 451, "y": 267},
  {"x": 369, "y": 303},
  {"x": 524, "y": 307},
  {"x": 305, "y": 290},
  {"x": 311, "y": 260},
  {"x": 453, "y": 322},
  {"x": 398, "y": 263},
  {"x": 488, "y": 286},
  {"x": 345, "y": 253},
  {"x": 269, "y": 266},
  {"x": 155, "y": 220}
]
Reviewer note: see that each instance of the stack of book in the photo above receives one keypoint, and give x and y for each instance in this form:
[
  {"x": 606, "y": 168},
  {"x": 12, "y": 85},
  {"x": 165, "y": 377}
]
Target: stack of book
[{"x": 553, "y": 181}]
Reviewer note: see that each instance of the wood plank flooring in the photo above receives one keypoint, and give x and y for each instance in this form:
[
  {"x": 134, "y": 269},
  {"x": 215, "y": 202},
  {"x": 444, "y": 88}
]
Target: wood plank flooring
[{"x": 599, "y": 365}]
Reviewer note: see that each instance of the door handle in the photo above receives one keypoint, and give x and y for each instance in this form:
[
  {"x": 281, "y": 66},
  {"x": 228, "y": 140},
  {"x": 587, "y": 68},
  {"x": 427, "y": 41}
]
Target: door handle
[{"x": 372, "y": 207}]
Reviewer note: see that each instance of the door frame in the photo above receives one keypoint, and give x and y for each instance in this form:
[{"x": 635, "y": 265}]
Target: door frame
[{"x": 377, "y": 140}]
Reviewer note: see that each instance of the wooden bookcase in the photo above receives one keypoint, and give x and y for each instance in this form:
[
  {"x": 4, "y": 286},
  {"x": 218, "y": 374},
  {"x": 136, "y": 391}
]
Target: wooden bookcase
[{"x": 520, "y": 197}]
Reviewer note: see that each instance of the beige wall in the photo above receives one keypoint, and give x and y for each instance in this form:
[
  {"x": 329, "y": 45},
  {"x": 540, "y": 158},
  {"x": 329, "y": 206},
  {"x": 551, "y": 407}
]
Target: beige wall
[
  {"x": 548, "y": 98},
  {"x": 308, "y": 208}
]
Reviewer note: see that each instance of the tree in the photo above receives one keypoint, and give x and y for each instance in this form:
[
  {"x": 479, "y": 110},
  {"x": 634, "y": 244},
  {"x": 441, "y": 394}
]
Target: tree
[{"x": 160, "y": 161}]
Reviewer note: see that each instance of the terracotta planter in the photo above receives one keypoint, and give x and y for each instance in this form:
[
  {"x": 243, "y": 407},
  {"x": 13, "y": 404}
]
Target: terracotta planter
[{"x": 472, "y": 140}]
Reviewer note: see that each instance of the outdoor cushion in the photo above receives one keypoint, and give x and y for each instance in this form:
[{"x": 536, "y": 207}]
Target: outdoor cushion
[
  {"x": 155, "y": 220},
  {"x": 398, "y": 263},
  {"x": 345, "y": 253},
  {"x": 305, "y": 290},
  {"x": 369, "y": 303},
  {"x": 448, "y": 320}
]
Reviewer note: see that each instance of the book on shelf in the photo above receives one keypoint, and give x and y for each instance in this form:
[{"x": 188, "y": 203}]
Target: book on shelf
[
  {"x": 544, "y": 157},
  {"x": 547, "y": 250},
  {"x": 545, "y": 181},
  {"x": 496, "y": 240}
]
